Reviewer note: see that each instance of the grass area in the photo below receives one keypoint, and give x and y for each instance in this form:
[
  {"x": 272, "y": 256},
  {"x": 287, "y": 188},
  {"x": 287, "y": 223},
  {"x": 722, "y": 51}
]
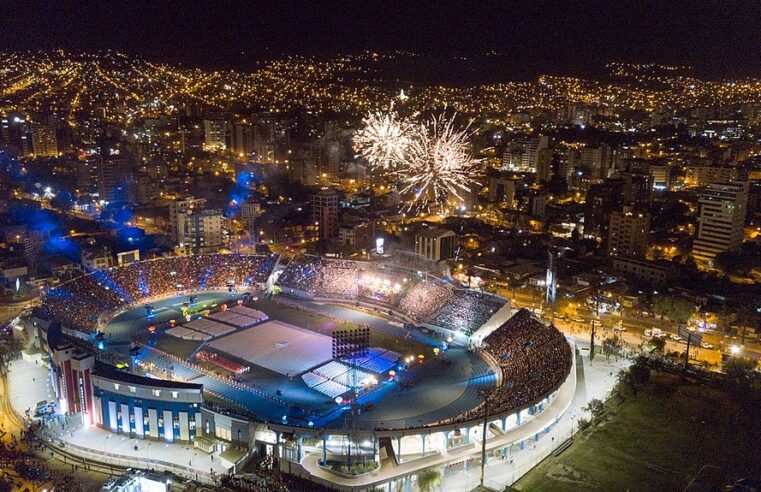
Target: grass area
[{"x": 657, "y": 439}]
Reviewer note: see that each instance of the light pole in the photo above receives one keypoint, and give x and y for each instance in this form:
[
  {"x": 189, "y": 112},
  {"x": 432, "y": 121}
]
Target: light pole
[{"x": 485, "y": 394}]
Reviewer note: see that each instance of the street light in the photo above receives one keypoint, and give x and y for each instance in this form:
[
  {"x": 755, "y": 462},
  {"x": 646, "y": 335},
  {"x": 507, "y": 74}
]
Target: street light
[{"x": 735, "y": 349}]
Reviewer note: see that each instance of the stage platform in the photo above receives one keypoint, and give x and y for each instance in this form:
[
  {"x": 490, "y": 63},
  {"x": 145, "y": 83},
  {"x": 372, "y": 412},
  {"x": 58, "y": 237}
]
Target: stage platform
[{"x": 278, "y": 346}]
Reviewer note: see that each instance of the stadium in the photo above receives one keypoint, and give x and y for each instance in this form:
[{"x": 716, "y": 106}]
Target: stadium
[{"x": 350, "y": 374}]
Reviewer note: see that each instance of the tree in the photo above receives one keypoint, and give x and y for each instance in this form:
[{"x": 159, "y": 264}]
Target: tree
[
  {"x": 673, "y": 308},
  {"x": 748, "y": 317},
  {"x": 658, "y": 344},
  {"x": 428, "y": 479},
  {"x": 640, "y": 371},
  {"x": 611, "y": 321},
  {"x": 596, "y": 408},
  {"x": 739, "y": 369},
  {"x": 610, "y": 346},
  {"x": 10, "y": 347}
]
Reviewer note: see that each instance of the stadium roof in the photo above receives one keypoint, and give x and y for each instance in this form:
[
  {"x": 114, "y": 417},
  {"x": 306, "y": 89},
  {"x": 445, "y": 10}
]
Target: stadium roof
[{"x": 110, "y": 372}]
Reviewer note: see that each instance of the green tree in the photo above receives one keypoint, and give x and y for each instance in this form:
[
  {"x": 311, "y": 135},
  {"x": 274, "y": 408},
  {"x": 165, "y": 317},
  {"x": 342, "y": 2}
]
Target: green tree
[
  {"x": 739, "y": 369},
  {"x": 596, "y": 408},
  {"x": 611, "y": 346},
  {"x": 583, "y": 423},
  {"x": 658, "y": 344},
  {"x": 611, "y": 321},
  {"x": 640, "y": 370},
  {"x": 673, "y": 308},
  {"x": 10, "y": 348},
  {"x": 748, "y": 318},
  {"x": 429, "y": 479}
]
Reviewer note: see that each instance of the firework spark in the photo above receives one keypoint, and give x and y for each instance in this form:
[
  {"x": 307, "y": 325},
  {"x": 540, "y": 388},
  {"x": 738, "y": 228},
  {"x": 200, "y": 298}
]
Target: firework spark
[
  {"x": 439, "y": 163},
  {"x": 384, "y": 139}
]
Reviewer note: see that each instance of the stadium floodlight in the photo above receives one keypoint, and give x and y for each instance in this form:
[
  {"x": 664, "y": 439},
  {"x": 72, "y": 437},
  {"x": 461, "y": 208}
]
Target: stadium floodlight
[{"x": 351, "y": 344}]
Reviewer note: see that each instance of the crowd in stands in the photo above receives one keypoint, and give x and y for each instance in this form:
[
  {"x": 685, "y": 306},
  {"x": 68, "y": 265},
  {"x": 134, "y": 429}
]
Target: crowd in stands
[
  {"x": 534, "y": 358},
  {"x": 434, "y": 302},
  {"x": 321, "y": 277},
  {"x": 455, "y": 309},
  {"x": 78, "y": 303}
]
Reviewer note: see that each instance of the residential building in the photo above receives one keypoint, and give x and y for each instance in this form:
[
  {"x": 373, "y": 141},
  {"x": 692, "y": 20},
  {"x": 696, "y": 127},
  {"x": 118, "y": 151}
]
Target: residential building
[
  {"x": 201, "y": 230},
  {"x": 628, "y": 232},
  {"x": 44, "y": 143},
  {"x": 723, "y": 207},
  {"x": 325, "y": 212},
  {"x": 182, "y": 206}
]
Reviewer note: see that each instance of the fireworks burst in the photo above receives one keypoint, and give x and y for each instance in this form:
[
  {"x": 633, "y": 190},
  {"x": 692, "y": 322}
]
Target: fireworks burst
[
  {"x": 384, "y": 139},
  {"x": 439, "y": 163}
]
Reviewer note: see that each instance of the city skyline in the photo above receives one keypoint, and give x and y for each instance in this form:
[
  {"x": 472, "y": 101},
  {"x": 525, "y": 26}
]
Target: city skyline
[{"x": 420, "y": 247}]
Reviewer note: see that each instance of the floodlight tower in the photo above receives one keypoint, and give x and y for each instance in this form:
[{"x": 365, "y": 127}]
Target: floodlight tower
[
  {"x": 551, "y": 281},
  {"x": 351, "y": 345}
]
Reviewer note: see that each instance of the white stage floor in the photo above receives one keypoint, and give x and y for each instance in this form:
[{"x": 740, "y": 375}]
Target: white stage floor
[{"x": 278, "y": 346}]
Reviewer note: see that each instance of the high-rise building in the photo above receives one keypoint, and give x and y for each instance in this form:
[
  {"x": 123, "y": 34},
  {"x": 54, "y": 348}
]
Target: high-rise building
[
  {"x": 637, "y": 188},
  {"x": 531, "y": 149},
  {"x": 596, "y": 160},
  {"x": 704, "y": 175},
  {"x": 14, "y": 131},
  {"x": 544, "y": 165},
  {"x": 182, "y": 206},
  {"x": 325, "y": 212},
  {"x": 601, "y": 199},
  {"x": 628, "y": 232},
  {"x": 303, "y": 170},
  {"x": 723, "y": 207},
  {"x": 243, "y": 138},
  {"x": 536, "y": 204},
  {"x": 502, "y": 188},
  {"x": 44, "y": 143},
  {"x": 201, "y": 230},
  {"x": 630, "y": 189},
  {"x": 146, "y": 188},
  {"x": 216, "y": 131},
  {"x": 115, "y": 178}
]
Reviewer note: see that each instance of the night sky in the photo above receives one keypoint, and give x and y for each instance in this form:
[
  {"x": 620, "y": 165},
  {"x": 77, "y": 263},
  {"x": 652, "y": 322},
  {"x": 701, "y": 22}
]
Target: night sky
[{"x": 719, "y": 38}]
